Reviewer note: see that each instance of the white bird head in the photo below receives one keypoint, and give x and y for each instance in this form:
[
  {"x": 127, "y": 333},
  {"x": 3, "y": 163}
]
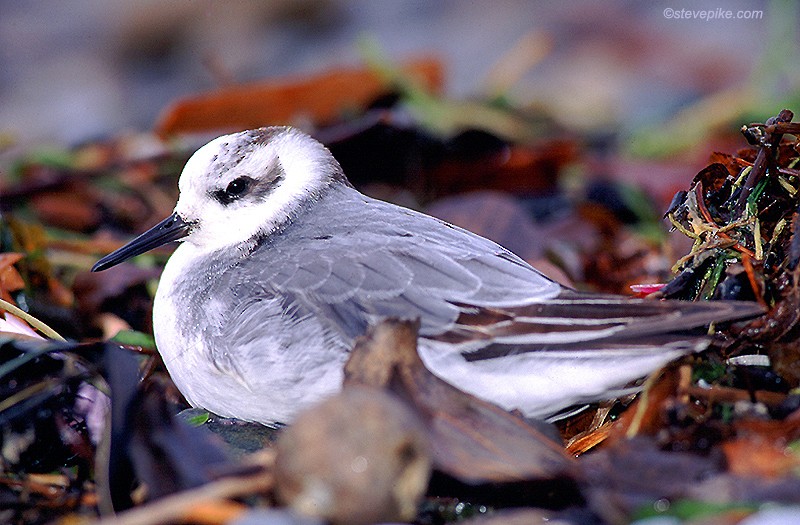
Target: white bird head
[{"x": 238, "y": 188}]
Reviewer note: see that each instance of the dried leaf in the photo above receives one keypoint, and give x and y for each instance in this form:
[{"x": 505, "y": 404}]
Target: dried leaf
[
  {"x": 73, "y": 209},
  {"x": 712, "y": 177},
  {"x": 10, "y": 279},
  {"x": 321, "y": 97},
  {"x": 757, "y": 457},
  {"x": 646, "y": 413},
  {"x": 522, "y": 170},
  {"x": 760, "y": 448}
]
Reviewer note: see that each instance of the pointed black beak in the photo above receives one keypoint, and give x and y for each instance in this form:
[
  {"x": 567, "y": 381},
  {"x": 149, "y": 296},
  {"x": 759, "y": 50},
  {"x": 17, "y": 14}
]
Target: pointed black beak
[{"x": 172, "y": 228}]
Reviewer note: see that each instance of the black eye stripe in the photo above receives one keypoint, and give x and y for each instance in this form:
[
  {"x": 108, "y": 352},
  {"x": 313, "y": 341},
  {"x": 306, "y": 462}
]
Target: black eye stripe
[
  {"x": 235, "y": 189},
  {"x": 252, "y": 189}
]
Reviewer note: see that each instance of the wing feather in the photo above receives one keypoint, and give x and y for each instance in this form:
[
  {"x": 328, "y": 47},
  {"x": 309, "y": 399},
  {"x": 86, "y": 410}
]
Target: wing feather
[
  {"x": 355, "y": 260},
  {"x": 387, "y": 261}
]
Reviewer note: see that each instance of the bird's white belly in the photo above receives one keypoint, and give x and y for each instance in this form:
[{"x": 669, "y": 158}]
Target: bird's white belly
[
  {"x": 541, "y": 384},
  {"x": 263, "y": 379}
]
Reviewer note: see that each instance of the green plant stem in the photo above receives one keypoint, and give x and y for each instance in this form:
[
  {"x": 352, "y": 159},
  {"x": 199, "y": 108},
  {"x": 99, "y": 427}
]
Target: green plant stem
[{"x": 31, "y": 320}]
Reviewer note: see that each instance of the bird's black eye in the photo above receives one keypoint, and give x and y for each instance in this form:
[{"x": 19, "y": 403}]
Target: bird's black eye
[{"x": 235, "y": 189}]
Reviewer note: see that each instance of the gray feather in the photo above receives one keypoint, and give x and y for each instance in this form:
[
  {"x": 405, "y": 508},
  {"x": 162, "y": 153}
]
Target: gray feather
[{"x": 355, "y": 260}]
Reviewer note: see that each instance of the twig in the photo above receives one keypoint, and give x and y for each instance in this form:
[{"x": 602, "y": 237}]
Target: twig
[
  {"x": 642, "y": 406},
  {"x": 178, "y": 507},
  {"x": 765, "y": 157},
  {"x": 684, "y": 383},
  {"x": 726, "y": 394},
  {"x": 747, "y": 263},
  {"x": 792, "y": 128}
]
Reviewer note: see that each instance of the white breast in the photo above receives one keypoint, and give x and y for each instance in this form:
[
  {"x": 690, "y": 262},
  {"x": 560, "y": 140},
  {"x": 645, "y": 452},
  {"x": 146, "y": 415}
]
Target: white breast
[{"x": 265, "y": 377}]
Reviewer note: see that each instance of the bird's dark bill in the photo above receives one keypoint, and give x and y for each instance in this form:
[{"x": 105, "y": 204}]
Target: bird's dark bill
[{"x": 172, "y": 228}]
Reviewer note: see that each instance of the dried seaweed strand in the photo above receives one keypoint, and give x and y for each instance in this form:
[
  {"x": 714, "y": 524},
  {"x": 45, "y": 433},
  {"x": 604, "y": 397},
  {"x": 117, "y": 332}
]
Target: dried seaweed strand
[
  {"x": 742, "y": 176},
  {"x": 757, "y": 241},
  {"x": 31, "y": 320},
  {"x": 786, "y": 185},
  {"x": 747, "y": 263},
  {"x": 764, "y": 159},
  {"x": 680, "y": 227},
  {"x": 714, "y": 228},
  {"x": 642, "y": 405},
  {"x": 776, "y": 233},
  {"x": 715, "y": 274}
]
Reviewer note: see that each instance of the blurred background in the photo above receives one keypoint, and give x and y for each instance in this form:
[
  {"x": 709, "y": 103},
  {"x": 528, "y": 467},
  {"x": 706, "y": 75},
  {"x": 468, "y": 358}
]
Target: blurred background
[{"x": 76, "y": 70}]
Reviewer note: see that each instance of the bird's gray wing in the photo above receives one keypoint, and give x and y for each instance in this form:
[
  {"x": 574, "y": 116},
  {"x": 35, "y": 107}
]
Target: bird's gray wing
[
  {"x": 582, "y": 322},
  {"x": 354, "y": 260},
  {"x": 351, "y": 261}
]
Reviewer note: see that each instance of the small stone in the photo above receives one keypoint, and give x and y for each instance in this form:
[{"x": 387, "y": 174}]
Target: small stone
[{"x": 359, "y": 457}]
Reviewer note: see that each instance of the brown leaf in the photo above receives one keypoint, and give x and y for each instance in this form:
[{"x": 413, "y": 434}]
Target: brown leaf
[
  {"x": 93, "y": 289},
  {"x": 586, "y": 441},
  {"x": 733, "y": 164},
  {"x": 760, "y": 447},
  {"x": 712, "y": 177},
  {"x": 59, "y": 293},
  {"x": 73, "y": 209},
  {"x": 472, "y": 440},
  {"x": 122, "y": 293},
  {"x": 754, "y": 456},
  {"x": 520, "y": 170},
  {"x": 646, "y": 413},
  {"x": 321, "y": 97},
  {"x": 10, "y": 279}
]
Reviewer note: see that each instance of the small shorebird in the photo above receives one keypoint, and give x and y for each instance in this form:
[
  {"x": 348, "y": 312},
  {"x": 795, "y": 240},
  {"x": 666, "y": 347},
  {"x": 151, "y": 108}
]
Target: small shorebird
[{"x": 283, "y": 264}]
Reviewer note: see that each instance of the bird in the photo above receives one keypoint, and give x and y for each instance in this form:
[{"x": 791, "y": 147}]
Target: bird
[{"x": 282, "y": 264}]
